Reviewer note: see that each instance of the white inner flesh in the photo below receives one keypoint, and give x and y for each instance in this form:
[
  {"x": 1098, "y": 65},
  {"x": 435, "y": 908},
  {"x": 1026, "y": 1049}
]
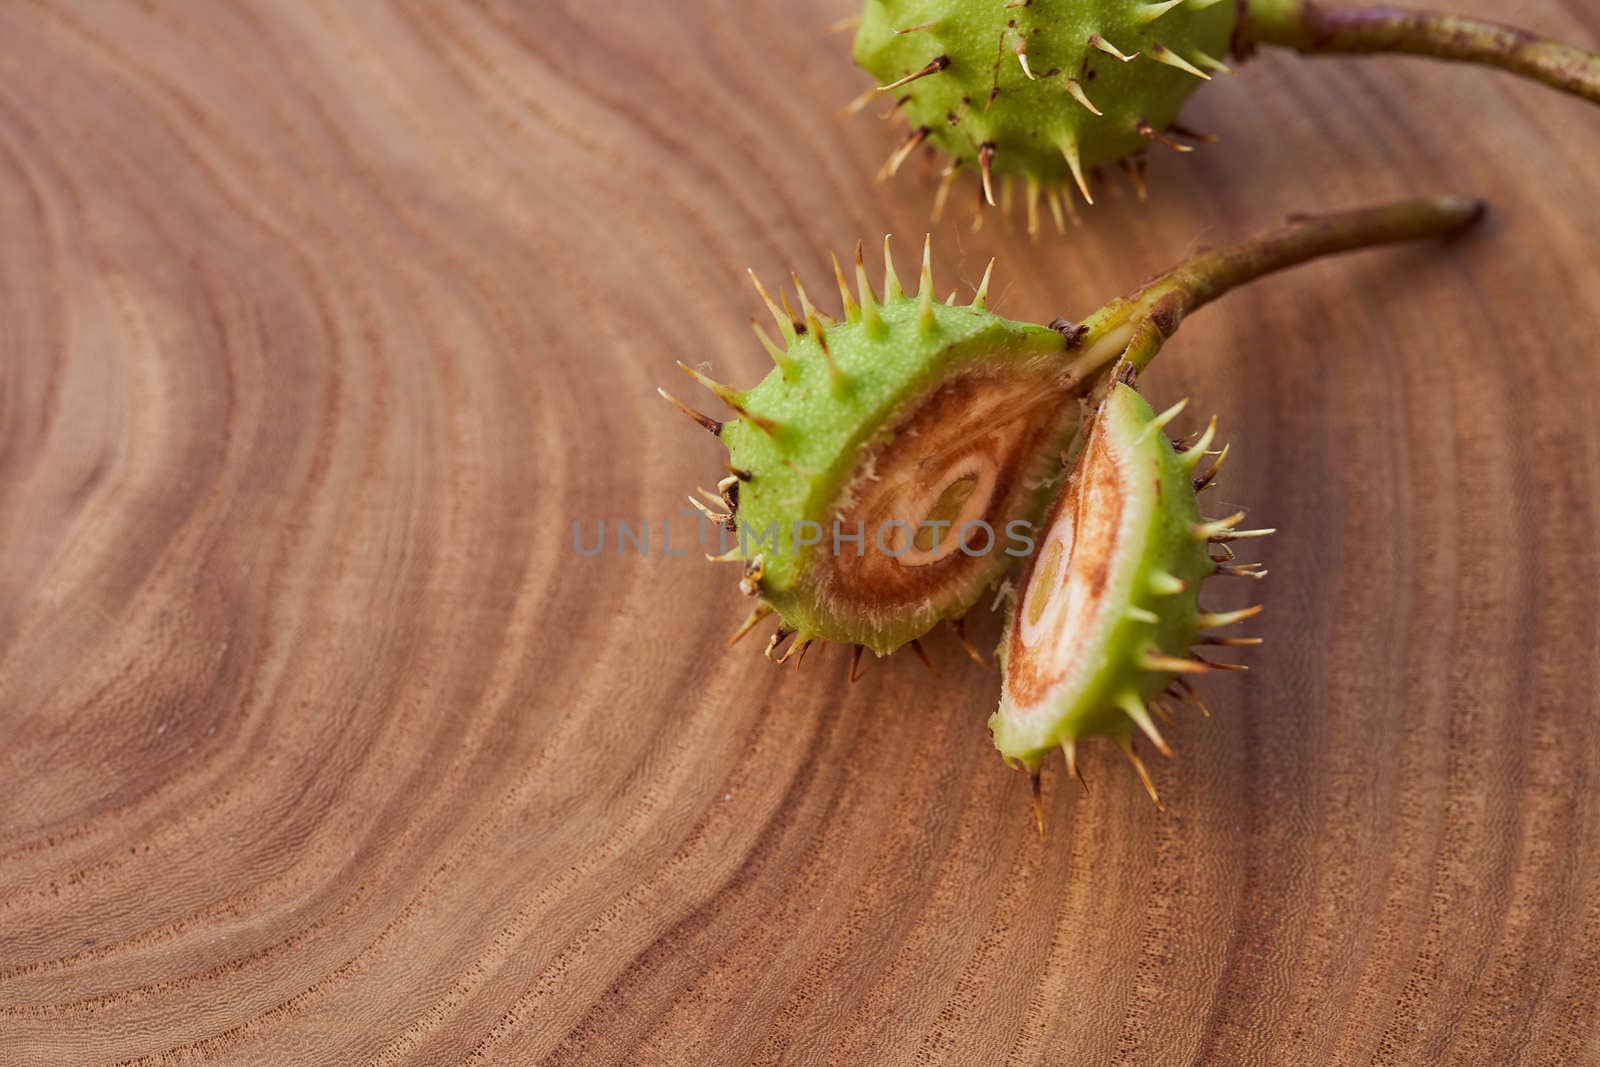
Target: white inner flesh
[
  {"x": 922, "y": 548},
  {"x": 1068, "y": 609}
]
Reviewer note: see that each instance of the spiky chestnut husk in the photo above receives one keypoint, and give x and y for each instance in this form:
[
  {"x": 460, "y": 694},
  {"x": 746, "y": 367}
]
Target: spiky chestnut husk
[
  {"x": 909, "y": 409},
  {"x": 1047, "y": 89},
  {"x": 1110, "y": 607},
  {"x": 913, "y": 376},
  {"x": 1040, "y": 89}
]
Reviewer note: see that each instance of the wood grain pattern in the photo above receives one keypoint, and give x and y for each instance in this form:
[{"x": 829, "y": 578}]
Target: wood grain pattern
[{"x": 321, "y": 322}]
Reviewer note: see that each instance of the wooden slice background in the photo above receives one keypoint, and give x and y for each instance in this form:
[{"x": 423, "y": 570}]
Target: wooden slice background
[{"x": 320, "y": 324}]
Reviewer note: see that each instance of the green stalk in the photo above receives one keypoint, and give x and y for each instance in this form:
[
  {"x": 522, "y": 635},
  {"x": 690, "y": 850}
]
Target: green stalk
[
  {"x": 1333, "y": 29},
  {"x": 1135, "y": 327}
]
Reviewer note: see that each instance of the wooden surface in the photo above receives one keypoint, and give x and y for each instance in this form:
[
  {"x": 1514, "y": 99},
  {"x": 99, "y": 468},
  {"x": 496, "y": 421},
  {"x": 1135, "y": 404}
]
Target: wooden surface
[{"x": 320, "y": 323}]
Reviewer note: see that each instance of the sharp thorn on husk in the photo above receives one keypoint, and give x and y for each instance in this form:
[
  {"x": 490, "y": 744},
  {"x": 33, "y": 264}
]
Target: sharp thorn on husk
[
  {"x": 870, "y": 318},
  {"x": 859, "y": 102},
  {"x": 1053, "y": 198},
  {"x": 1069, "y": 749},
  {"x": 1202, "y": 483},
  {"x": 1215, "y": 619},
  {"x": 1150, "y": 133},
  {"x": 783, "y": 634},
  {"x": 725, "y": 393},
  {"x": 897, "y": 158},
  {"x": 1162, "y": 54},
  {"x": 1210, "y": 530},
  {"x": 762, "y": 610},
  {"x": 1178, "y": 129},
  {"x": 1126, "y": 744},
  {"x": 889, "y": 112},
  {"x": 815, "y": 328},
  {"x": 946, "y": 180},
  {"x": 706, "y": 421},
  {"x": 891, "y": 279},
  {"x": 1212, "y": 665},
  {"x": 959, "y": 628},
  {"x": 1069, "y": 152},
  {"x": 980, "y": 299},
  {"x": 1160, "y": 661},
  {"x": 784, "y": 322},
  {"x": 1190, "y": 457},
  {"x": 1075, "y": 90},
  {"x": 848, "y": 307},
  {"x": 1151, "y": 12},
  {"x": 1097, "y": 41},
  {"x": 1071, "y": 207},
  {"x": 795, "y": 321},
  {"x": 1160, "y": 421},
  {"x": 1164, "y": 584},
  {"x": 985, "y": 162},
  {"x": 1186, "y": 692},
  {"x": 935, "y": 65},
  {"x": 780, "y": 358},
  {"x": 1038, "y": 801},
  {"x": 1240, "y": 535},
  {"x": 925, "y": 319},
  {"x": 1135, "y": 709},
  {"x": 708, "y": 495}
]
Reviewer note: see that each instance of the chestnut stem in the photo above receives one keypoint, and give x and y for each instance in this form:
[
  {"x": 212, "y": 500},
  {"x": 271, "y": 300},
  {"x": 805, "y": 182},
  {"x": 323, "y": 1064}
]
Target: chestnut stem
[
  {"x": 1332, "y": 29},
  {"x": 1207, "y": 275},
  {"x": 1136, "y": 326}
]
